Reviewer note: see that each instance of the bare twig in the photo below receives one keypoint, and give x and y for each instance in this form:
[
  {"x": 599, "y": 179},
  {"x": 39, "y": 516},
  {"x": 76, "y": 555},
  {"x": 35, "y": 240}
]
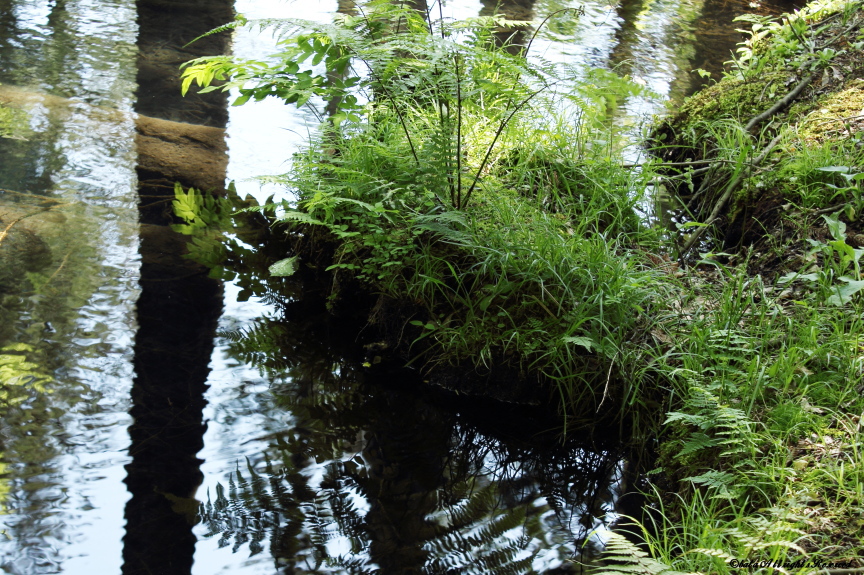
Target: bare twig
[
  {"x": 608, "y": 378},
  {"x": 843, "y": 120},
  {"x": 727, "y": 193},
  {"x": 782, "y": 103},
  {"x": 845, "y": 31},
  {"x": 830, "y": 209}
]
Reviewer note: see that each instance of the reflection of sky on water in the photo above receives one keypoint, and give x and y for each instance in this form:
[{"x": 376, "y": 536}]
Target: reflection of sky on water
[
  {"x": 263, "y": 135},
  {"x": 65, "y": 506}
]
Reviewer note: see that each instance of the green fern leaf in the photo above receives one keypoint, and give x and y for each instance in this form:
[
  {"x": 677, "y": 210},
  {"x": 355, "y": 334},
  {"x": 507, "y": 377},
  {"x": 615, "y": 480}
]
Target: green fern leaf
[{"x": 628, "y": 558}]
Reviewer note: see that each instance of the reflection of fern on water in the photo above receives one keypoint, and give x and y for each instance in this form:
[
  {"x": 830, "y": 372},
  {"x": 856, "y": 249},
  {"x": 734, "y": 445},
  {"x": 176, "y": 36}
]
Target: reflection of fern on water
[
  {"x": 575, "y": 488},
  {"x": 307, "y": 533},
  {"x": 374, "y": 479},
  {"x": 477, "y": 536},
  {"x": 477, "y": 524},
  {"x": 298, "y": 523}
]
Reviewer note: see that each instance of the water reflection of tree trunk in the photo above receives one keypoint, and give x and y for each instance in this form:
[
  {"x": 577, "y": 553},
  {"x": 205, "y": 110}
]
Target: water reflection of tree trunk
[
  {"x": 404, "y": 469},
  {"x": 627, "y": 35},
  {"x": 178, "y": 307},
  {"x": 513, "y": 38}
]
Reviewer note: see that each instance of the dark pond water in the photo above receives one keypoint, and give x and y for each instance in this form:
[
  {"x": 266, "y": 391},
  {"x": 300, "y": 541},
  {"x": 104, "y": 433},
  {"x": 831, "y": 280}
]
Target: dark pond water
[{"x": 140, "y": 433}]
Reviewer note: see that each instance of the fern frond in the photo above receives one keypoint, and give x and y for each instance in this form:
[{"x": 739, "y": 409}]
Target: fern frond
[
  {"x": 714, "y": 479},
  {"x": 628, "y": 558},
  {"x": 302, "y": 217},
  {"x": 697, "y": 442},
  {"x": 240, "y": 21},
  {"x": 713, "y": 553}
]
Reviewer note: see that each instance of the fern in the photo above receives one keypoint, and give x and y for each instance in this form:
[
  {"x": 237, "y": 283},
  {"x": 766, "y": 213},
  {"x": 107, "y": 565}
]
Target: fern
[
  {"x": 718, "y": 426},
  {"x": 719, "y": 480},
  {"x": 622, "y": 556}
]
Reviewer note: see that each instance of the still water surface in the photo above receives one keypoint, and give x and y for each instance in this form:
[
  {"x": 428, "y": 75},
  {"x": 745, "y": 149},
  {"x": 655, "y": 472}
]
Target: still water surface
[{"x": 303, "y": 467}]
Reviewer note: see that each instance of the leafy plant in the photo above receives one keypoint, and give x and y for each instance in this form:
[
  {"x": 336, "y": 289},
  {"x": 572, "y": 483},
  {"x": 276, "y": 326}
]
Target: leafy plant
[
  {"x": 852, "y": 192},
  {"x": 453, "y": 172},
  {"x": 840, "y": 262},
  {"x": 442, "y": 84}
]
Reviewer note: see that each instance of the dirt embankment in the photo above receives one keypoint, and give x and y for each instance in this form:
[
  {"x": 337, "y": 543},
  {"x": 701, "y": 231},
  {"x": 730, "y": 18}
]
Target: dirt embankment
[{"x": 762, "y": 154}]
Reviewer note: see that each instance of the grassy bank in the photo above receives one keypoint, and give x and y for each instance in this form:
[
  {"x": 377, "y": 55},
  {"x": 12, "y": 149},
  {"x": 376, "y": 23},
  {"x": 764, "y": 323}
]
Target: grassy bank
[
  {"x": 479, "y": 204},
  {"x": 763, "y": 445}
]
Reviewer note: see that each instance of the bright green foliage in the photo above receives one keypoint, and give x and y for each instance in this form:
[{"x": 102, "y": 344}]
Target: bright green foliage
[
  {"x": 14, "y": 123},
  {"x": 458, "y": 175},
  {"x": 439, "y": 94},
  {"x": 448, "y": 177},
  {"x": 790, "y": 40}
]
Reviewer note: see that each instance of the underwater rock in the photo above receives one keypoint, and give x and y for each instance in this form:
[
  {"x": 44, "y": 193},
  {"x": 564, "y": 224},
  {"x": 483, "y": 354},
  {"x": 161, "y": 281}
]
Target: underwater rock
[{"x": 21, "y": 251}]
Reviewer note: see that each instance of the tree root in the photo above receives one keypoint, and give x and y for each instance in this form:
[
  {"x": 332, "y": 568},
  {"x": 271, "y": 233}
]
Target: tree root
[{"x": 727, "y": 193}]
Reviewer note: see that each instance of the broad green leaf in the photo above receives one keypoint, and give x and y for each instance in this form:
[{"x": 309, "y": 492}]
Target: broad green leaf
[
  {"x": 843, "y": 169},
  {"x": 687, "y": 225},
  {"x": 284, "y": 268},
  {"x": 835, "y": 226},
  {"x": 845, "y": 293}
]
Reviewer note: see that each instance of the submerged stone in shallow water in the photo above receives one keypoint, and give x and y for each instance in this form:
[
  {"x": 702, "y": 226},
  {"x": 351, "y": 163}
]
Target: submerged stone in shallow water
[{"x": 21, "y": 250}]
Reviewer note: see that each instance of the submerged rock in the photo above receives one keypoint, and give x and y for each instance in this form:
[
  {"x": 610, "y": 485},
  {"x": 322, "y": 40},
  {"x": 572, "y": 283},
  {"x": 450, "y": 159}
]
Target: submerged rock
[{"x": 21, "y": 251}]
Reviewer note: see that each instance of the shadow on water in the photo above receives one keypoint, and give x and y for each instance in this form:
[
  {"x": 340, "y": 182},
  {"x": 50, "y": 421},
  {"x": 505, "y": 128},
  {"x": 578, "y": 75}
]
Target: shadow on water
[
  {"x": 179, "y": 304},
  {"x": 376, "y": 472}
]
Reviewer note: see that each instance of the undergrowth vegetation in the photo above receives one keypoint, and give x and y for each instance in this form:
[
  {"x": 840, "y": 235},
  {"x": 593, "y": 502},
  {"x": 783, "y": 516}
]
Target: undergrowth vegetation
[
  {"x": 459, "y": 179},
  {"x": 479, "y": 197}
]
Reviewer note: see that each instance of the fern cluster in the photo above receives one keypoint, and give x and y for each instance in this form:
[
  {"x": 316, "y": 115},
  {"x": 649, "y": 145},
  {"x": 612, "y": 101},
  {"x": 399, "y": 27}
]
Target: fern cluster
[{"x": 453, "y": 173}]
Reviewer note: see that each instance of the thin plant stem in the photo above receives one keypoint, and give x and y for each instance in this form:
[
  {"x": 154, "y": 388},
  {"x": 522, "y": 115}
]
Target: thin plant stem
[
  {"x": 495, "y": 140},
  {"x": 579, "y": 11},
  {"x": 458, "y": 134},
  {"x": 395, "y": 107}
]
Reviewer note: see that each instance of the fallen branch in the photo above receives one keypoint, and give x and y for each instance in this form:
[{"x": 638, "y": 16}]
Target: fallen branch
[
  {"x": 677, "y": 164},
  {"x": 834, "y": 208},
  {"x": 727, "y": 193},
  {"x": 782, "y": 103}
]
